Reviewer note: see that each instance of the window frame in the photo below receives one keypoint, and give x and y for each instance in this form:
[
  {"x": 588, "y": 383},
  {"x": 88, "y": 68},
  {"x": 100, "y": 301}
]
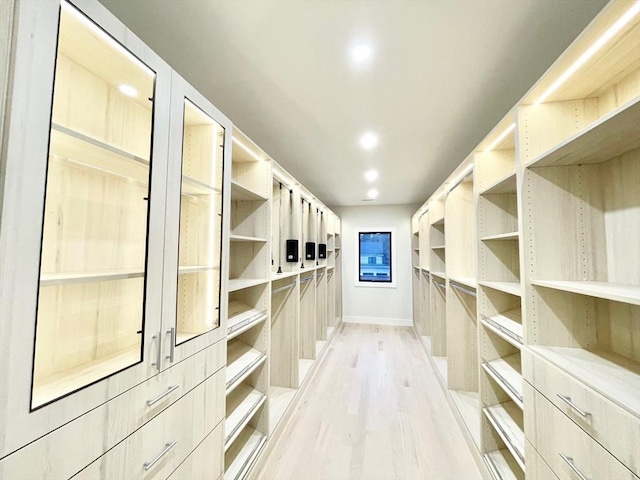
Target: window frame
[{"x": 392, "y": 267}]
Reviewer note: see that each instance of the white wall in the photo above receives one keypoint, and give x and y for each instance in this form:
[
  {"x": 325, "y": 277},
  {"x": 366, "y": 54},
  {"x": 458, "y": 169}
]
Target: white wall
[{"x": 361, "y": 304}]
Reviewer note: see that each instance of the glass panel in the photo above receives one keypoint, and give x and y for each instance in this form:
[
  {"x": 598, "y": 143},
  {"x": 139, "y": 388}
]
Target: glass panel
[
  {"x": 94, "y": 241},
  {"x": 200, "y": 225},
  {"x": 375, "y": 257}
]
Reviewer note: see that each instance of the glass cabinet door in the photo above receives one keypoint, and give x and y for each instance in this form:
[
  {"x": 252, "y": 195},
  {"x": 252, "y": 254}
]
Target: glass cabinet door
[
  {"x": 90, "y": 310},
  {"x": 200, "y": 232}
]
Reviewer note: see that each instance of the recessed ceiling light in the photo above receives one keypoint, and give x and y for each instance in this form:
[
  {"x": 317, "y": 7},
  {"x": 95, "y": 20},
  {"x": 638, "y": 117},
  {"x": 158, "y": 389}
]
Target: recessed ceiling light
[
  {"x": 371, "y": 175},
  {"x": 373, "y": 193},
  {"x": 361, "y": 53},
  {"x": 128, "y": 90},
  {"x": 369, "y": 141}
]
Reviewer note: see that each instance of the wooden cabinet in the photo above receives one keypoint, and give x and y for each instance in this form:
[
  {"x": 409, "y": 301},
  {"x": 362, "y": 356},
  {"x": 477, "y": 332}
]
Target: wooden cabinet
[
  {"x": 83, "y": 216},
  {"x": 112, "y": 234}
]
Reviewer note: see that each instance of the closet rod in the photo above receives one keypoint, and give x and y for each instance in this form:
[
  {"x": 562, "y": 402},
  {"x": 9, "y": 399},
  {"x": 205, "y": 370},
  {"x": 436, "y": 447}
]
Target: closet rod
[
  {"x": 441, "y": 285},
  {"x": 285, "y": 287},
  {"x": 462, "y": 289},
  {"x": 306, "y": 280}
]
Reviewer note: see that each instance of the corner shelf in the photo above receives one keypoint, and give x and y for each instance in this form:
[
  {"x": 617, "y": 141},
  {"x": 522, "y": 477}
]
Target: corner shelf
[
  {"x": 506, "y": 418},
  {"x": 609, "y": 291}
]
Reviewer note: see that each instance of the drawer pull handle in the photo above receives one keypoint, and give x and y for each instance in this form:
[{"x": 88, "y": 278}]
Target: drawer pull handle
[
  {"x": 162, "y": 395},
  {"x": 573, "y": 467},
  {"x": 165, "y": 450},
  {"x": 568, "y": 401}
]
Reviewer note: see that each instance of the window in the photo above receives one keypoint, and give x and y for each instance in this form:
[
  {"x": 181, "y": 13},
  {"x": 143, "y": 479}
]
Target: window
[{"x": 374, "y": 253}]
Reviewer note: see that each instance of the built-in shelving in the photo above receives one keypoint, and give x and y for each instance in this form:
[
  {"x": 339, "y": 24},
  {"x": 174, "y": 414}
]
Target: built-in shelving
[
  {"x": 507, "y": 372},
  {"x": 243, "y": 317},
  {"x": 502, "y": 237},
  {"x": 610, "y": 291},
  {"x": 241, "y": 283},
  {"x": 503, "y": 466},
  {"x": 239, "y": 458},
  {"x": 242, "y": 403},
  {"x": 512, "y": 288},
  {"x": 242, "y": 360},
  {"x": 507, "y": 325},
  {"x": 245, "y": 238},
  {"x": 506, "y": 184},
  {"x": 242, "y": 193},
  {"x": 506, "y": 418},
  {"x": 51, "y": 279}
]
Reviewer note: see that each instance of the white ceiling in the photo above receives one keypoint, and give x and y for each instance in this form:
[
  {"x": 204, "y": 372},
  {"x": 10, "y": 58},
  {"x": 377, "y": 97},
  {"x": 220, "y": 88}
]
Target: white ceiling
[{"x": 443, "y": 73}]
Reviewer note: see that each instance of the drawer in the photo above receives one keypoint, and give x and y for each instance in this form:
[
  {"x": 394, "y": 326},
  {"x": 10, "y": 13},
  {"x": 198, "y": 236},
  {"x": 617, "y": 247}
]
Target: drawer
[
  {"x": 206, "y": 461},
  {"x": 553, "y": 434},
  {"x": 158, "y": 448},
  {"x": 613, "y": 427},
  {"x": 537, "y": 469},
  {"x": 65, "y": 451}
]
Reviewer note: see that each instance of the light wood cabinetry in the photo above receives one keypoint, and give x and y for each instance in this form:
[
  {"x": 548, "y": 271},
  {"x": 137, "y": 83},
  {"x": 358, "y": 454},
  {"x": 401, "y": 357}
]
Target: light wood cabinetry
[
  {"x": 110, "y": 302},
  {"x": 552, "y": 224}
]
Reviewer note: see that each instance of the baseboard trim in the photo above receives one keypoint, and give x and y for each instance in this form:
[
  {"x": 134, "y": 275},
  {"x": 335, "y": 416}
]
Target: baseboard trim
[{"x": 396, "y": 322}]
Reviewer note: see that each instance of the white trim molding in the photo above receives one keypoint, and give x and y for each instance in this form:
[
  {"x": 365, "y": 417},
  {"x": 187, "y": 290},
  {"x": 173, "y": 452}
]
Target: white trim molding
[{"x": 395, "y": 322}]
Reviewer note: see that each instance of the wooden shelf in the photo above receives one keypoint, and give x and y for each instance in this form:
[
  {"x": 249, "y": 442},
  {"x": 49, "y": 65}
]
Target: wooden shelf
[
  {"x": 470, "y": 282},
  {"x": 503, "y": 466},
  {"x": 613, "y": 376},
  {"x": 608, "y": 137},
  {"x": 89, "y": 152},
  {"x": 506, "y": 184},
  {"x": 187, "y": 269},
  {"x": 242, "y": 317},
  {"x": 191, "y": 186},
  {"x": 506, "y": 418},
  {"x": 502, "y": 237},
  {"x": 280, "y": 276},
  {"x": 242, "y": 360},
  {"x": 52, "y": 279},
  {"x": 75, "y": 378},
  {"x": 507, "y": 372},
  {"x": 242, "y": 453},
  {"x": 239, "y": 192},
  {"x": 244, "y": 238},
  {"x": 242, "y": 404},
  {"x": 438, "y": 221},
  {"x": 512, "y": 288},
  {"x": 441, "y": 275},
  {"x": 240, "y": 283},
  {"x": 610, "y": 291},
  {"x": 279, "y": 400},
  {"x": 438, "y": 247},
  {"x": 468, "y": 404},
  {"x": 507, "y": 325}
]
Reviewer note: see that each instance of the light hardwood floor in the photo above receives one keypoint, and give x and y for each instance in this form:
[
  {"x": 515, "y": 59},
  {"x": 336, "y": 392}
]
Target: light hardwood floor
[{"x": 374, "y": 410}]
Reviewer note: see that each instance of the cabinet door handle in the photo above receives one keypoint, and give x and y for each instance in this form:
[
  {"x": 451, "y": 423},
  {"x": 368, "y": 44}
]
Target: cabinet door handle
[
  {"x": 573, "y": 467},
  {"x": 162, "y": 395},
  {"x": 165, "y": 450},
  {"x": 568, "y": 401},
  {"x": 172, "y": 344},
  {"x": 158, "y": 352}
]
